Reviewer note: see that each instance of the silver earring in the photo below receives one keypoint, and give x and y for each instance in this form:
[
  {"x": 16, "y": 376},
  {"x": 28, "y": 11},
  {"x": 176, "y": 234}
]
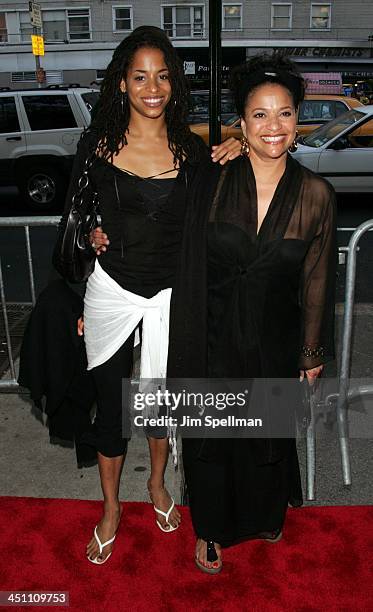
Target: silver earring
[{"x": 123, "y": 100}]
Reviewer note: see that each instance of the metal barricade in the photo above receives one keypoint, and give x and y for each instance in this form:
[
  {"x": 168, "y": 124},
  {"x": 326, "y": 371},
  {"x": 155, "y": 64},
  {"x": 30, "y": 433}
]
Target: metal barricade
[
  {"x": 342, "y": 398},
  {"x": 344, "y": 394},
  {"x": 25, "y": 222}
]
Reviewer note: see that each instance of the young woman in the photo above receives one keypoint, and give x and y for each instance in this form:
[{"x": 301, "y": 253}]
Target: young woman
[{"x": 144, "y": 161}]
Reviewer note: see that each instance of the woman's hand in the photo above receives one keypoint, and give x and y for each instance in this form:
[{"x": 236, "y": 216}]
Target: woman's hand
[
  {"x": 81, "y": 326},
  {"x": 311, "y": 374},
  {"x": 226, "y": 151},
  {"x": 98, "y": 240}
]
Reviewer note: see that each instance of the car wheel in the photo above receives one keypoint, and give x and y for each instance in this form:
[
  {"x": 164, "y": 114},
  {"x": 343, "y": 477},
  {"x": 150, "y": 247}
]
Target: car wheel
[{"x": 42, "y": 189}]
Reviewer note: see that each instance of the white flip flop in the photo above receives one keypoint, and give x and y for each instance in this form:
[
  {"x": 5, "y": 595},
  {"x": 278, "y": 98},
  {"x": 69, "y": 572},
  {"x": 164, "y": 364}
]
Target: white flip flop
[
  {"x": 166, "y": 515},
  {"x": 101, "y": 547}
]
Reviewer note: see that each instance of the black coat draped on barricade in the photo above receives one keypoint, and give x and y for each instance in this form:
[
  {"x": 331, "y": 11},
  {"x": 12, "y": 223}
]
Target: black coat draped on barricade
[{"x": 53, "y": 365}]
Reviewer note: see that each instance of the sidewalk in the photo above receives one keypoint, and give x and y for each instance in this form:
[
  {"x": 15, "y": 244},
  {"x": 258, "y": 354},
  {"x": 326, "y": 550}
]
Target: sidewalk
[{"x": 31, "y": 466}]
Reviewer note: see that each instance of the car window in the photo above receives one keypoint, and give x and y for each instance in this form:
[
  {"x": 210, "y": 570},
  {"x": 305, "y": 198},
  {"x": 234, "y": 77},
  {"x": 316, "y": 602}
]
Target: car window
[
  {"x": 8, "y": 115},
  {"x": 316, "y": 111},
  {"x": 227, "y": 104},
  {"x": 199, "y": 107},
  {"x": 362, "y": 137},
  {"x": 49, "y": 112},
  {"x": 90, "y": 99},
  {"x": 326, "y": 132},
  {"x": 231, "y": 119},
  {"x": 340, "y": 108}
]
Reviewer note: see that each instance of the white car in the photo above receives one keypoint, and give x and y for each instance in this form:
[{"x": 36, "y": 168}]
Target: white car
[
  {"x": 342, "y": 151},
  {"x": 39, "y": 131}
]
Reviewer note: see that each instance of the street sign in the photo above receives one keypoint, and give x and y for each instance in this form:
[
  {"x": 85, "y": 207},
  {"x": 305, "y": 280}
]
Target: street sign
[
  {"x": 40, "y": 75},
  {"x": 35, "y": 15},
  {"x": 37, "y": 44}
]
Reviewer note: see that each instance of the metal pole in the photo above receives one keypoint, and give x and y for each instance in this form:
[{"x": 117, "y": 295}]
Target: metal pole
[
  {"x": 346, "y": 349},
  {"x": 311, "y": 446},
  {"x": 37, "y": 57},
  {"x": 215, "y": 15},
  {"x": 6, "y": 325},
  {"x": 30, "y": 264}
]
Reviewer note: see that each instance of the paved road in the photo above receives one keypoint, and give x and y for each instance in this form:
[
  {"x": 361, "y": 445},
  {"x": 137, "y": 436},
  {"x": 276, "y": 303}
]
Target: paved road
[{"x": 352, "y": 210}]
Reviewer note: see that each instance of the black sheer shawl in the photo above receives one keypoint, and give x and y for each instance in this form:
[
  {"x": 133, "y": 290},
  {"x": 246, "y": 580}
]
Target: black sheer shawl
[{"x": 303, "y": 209}]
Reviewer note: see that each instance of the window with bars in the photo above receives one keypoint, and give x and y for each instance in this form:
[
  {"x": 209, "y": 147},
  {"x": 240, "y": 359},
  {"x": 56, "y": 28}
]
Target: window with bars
[
  {"x": 232, "y": 16},
  {"x": 122, "y": 18},
  {"x": 3, "y": 28},
  {"x": 183, "y": 21},
  {"x": 320, "y": 16},
  {"x": 281, "y": 17},
  {"x": 27, "y": 76},
  {"x": 59, "y": 25},
  {"x": 79, "y": 27}
]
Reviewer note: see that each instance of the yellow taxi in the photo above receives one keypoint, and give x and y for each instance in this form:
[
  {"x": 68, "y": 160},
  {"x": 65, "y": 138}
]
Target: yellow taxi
[{"x": 315, "y": 110}]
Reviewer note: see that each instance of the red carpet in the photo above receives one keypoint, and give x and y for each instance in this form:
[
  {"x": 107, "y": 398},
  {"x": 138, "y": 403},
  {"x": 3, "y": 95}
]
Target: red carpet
[{"x": 324, "y": 561}]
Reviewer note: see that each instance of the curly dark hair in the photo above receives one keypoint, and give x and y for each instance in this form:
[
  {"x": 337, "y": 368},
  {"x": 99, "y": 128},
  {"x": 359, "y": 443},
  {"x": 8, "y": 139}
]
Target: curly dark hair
[
  {"x": 261, "y": 69},
  {"x": 110, "y": 122}
]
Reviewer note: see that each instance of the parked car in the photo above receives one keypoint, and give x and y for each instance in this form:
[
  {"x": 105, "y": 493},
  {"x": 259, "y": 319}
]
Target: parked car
[
  {"x": 342, "y": 151},
  {"x": 314, "y": 111},
  {"x": 39, "y": 131}
]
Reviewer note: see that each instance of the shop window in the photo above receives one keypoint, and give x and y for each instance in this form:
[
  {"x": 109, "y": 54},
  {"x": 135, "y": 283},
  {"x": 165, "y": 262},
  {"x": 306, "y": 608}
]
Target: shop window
[
  {"x": 3, "y": 29},
  {"x": 320, "y": 16},
  {"x": 122, "y": 18},
  {"x": 232, "y": 16},
  {"x": 79, "y": 26},
  {"x": 183, "y": 21},
  {"x": 281, "y": 16}
]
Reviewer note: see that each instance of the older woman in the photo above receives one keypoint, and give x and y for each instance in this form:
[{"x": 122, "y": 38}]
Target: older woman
[{"x": 266, "y": 252}]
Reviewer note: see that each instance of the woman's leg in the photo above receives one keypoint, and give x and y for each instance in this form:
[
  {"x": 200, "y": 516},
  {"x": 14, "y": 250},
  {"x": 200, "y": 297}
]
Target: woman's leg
[
  {"x": 206, "y": 479},
  {"x": 112, "y": 433},
  {"x": 110, "y": 469},
  {"x": 158, "y": 448}
]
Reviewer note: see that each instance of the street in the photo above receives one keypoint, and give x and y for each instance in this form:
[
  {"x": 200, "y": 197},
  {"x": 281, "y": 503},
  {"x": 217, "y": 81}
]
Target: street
[{"x": 353, "y": 209}]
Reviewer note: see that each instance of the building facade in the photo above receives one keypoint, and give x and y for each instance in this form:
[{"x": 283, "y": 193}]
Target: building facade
[{"x": 80, "y": 36}]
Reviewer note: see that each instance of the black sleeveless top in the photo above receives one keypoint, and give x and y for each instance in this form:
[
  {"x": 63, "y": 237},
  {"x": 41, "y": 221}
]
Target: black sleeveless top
[{"x": 143, "y": 218}]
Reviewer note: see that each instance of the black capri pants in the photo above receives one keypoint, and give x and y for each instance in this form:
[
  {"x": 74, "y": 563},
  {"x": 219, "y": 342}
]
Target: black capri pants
[{"x": 112, "y": 425}]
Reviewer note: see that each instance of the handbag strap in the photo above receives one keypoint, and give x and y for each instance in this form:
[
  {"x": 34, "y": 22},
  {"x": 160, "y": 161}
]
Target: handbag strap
[{"x": 83, "y": 182}]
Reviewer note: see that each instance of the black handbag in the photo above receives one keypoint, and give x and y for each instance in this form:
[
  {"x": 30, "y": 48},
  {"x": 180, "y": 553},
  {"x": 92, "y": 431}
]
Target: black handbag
[{"x": 76, "y": 258}]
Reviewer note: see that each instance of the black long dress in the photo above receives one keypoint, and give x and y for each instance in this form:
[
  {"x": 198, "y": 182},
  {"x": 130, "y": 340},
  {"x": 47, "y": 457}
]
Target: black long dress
[{"x": 270, "y": 313}]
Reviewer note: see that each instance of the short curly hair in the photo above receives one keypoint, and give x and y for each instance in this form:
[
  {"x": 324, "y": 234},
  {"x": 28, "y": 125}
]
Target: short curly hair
[{"x": 261, "y": 69}]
